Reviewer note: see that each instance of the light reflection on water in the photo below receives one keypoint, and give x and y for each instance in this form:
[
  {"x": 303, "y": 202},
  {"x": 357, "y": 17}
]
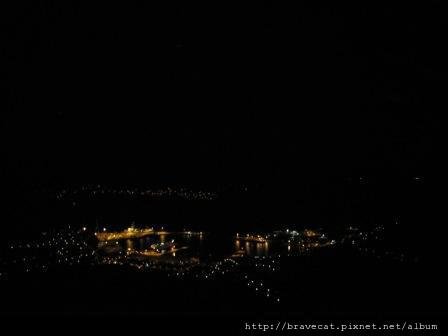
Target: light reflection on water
[{"x": 209, "y": 246}]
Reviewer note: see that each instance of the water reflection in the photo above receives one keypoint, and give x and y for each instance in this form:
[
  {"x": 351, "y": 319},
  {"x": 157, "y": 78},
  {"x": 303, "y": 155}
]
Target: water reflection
[
  {"x": 202, "y": 246},
  {"x": 237, "y": 245},
  {"x": 129, "y": 244},
  {"x": 248, "y": 249}
]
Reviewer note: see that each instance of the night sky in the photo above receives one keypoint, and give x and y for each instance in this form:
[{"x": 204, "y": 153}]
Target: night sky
[{"x": 219, "y": 93}]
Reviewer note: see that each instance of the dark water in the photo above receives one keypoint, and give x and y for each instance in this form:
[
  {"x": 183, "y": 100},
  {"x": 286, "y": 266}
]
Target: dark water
[{"x": 209, "y": 245}]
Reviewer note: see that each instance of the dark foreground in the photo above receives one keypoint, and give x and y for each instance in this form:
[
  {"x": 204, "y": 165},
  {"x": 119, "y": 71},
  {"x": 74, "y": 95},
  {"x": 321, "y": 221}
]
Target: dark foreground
[{"x": 335, "y": 281}]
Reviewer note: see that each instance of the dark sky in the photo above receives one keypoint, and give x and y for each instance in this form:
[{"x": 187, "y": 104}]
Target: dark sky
[{"x": 220, "y": 93}]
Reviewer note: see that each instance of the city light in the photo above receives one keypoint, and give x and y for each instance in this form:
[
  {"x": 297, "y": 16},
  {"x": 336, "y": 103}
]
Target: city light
[{"x": 252, "y": 263}]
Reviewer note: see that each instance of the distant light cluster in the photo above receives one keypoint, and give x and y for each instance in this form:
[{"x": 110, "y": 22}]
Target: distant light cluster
[
  {"x": 364, "y": 243},
  {"x": 297, "y": 242},
  {"x": 253, "y": 269},
  {"x": 65, "y": 247},
  {"x": 166, "y": 193}
]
